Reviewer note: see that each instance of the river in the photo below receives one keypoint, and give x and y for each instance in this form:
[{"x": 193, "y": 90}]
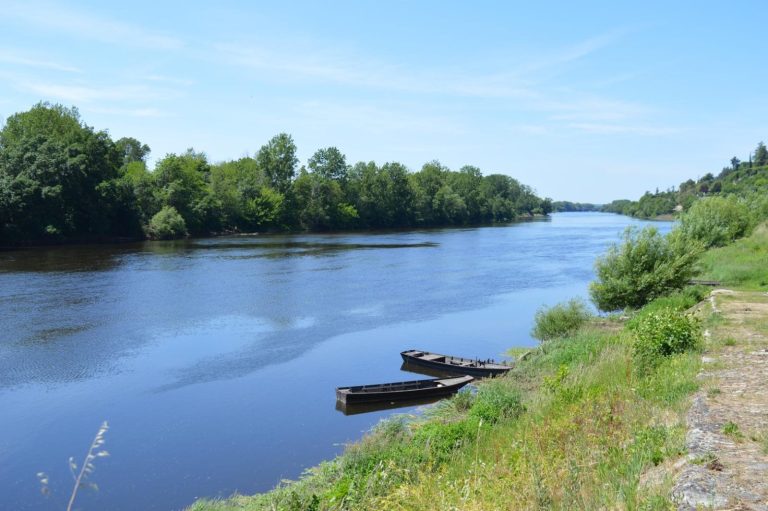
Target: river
[{"x": 215, "y": 360}]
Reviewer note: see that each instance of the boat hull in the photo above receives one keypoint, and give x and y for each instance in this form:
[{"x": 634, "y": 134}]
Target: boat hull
[
  {"x": 443, "y": 363},
  {"x": 401, "y": 391}
]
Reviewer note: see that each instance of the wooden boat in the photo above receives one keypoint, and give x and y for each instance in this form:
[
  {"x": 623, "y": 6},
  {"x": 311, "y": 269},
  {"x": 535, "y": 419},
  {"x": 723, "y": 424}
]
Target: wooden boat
[
  {"x": 401, "y": 391},
  {"x": 454, "y": 365}
]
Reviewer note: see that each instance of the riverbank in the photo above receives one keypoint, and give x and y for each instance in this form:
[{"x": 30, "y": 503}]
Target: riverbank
[
  {"x": 574, "y": 425},
  {"x": 102, "y": 240}
]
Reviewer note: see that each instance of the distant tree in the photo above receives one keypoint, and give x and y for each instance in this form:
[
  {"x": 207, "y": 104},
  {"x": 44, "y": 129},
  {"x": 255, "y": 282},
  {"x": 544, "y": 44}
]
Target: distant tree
[
  {"x": 329, "y": 163},
  {"x": 687, "y": 186},
  {"x": 761, "y": 155},
  {"x": 320, "y": 200},
  {"x": 449, "y": 207},
  {"x": 132, "y": 150},
  {"x": 182, "y": 182},
  {"x": 735, "y": 162},
  {"x": 277, "y": 159}
]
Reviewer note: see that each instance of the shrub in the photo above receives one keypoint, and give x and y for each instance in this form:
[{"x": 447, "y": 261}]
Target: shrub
[
  {"x": 167, "y": 224},
  {"x": 562, "y": 320},
  {"x": 663, "y": 333},
  {"x": 645, "y": 266},
  {"x": 716, "y": 221}
]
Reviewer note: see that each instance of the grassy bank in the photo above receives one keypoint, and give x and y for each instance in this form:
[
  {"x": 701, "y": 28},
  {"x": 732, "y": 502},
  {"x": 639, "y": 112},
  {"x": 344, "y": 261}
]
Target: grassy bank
[
  {"x": 574, "y": 423},
  {"x": 742, "y": 265}
]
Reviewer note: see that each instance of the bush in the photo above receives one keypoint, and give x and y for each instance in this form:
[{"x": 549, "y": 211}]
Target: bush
[
  {"x": 167, "y": 224},
  {"x": 663, "y": 333},
  {"x": 562, "y": 320},
  {"x": 716, "y": 221},
  {"x": 645, "y": 266}
]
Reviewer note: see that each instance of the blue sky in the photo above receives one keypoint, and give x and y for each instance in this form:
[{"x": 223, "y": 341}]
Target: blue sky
[{"x": 591, "y": 102}]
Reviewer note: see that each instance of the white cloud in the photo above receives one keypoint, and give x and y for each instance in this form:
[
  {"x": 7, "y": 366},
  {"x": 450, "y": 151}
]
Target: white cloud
[
  {"x": 130, "y": 112},
  {"x": 617, "y": 129},
  {"x": 14, "y": 57},
  {"x": 81, "y": 24},
  {"x": 85, "y": 94}
]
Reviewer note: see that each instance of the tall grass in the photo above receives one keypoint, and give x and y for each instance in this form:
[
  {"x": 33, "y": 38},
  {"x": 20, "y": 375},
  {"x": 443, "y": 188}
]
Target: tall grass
[
  {"x": 560, "y": 320},
  {"x": 742, "y": 265}
]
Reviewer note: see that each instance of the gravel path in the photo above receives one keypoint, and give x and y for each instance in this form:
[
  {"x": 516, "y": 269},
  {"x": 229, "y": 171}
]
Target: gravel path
[{"x": 727, "y": 440}]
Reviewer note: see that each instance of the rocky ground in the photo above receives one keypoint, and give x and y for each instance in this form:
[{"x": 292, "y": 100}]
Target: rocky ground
[{"x": 727, "y": 463}]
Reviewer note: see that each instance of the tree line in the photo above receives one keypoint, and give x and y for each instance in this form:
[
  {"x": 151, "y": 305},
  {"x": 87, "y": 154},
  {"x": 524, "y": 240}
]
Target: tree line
[
  {"x": 62, "y": 180},
  {"x": 745, "y": 179}
]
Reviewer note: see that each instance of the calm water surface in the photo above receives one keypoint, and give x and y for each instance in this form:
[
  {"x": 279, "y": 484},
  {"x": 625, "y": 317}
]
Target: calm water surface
[{"x": 215, "y": 361}]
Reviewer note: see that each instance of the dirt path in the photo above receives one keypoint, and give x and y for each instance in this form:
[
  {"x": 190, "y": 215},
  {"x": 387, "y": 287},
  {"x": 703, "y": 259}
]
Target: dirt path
[{"x": 727, "y": 441}]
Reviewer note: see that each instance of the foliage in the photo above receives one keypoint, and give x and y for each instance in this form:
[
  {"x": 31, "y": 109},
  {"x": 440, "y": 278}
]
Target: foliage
[
  {"x": 645, "y": 266},
  {"x": 742, "y": 179},
  {"x": 715, "y": 221},
  {"x": 662, "y": 334},
  {"x": 561, "y": 320},
  {"x": 167, "y": 224},
  {"x": 567, "y": 206},
  {"x": 61, "y": 180}
]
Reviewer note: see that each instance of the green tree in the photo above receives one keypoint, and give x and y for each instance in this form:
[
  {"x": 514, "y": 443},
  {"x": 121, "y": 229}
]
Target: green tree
[
  {"x": 761, "y": 155},
  {"x": 132, "y": 150},
  {"x": 644, "y": 266},
  {"x": 448, "y": 206},
  {"x": 715, "y": 221},
  {"x": 329, "y": 163},
  {"x": 59, "y": 178},
  {"x": 425, "y": 185},
  {"x": 182, "y": 183},
  {"x": 277, "y": 159},
  {"x": 321, "y": 203}
]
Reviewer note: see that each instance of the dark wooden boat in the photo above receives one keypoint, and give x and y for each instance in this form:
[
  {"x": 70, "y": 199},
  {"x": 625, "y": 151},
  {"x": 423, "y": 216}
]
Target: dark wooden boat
[
  {"x": 454, "y": 365},
  {"x": 401, "y": 391}
]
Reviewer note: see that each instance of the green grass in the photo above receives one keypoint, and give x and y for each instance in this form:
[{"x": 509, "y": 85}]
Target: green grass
[
  {"x": 732, "y": 430},
  {"x": 741, "y": 265},
  {"x": 561, "y": 320}
]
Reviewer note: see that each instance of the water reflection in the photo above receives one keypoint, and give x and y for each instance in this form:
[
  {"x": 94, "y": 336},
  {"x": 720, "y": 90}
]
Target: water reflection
[{"x": 355, "y": 409}]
